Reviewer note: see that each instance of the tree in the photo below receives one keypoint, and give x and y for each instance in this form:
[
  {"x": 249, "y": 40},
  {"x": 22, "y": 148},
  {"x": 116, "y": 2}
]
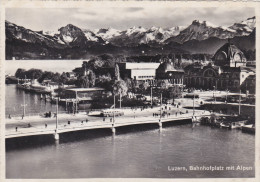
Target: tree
[
  {"x": 129, "y": 84},
  {"x": 104, "y": 81},
  {"x": 34, "y": 73},
  {"x": 164, "y": 84},
  {"x": 56, "y": 77},
  {"x": 175, "y": 92},
  {"x": 64, "y": 78},
  {"x": 92, "y": 78},
  {"x": 46, "y": 75},
  {"x": 120, "y": 88},
  {"x": 117, "y": 72},
  {"x": 20, "y": 73},
  {"x": 83, "y": 82},
  {"x": 144, "y": 86}
]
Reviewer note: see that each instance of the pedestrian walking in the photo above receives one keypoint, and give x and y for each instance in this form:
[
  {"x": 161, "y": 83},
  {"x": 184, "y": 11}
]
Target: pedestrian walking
[
  {"x": 104, "y": 119},
  {"x": 68, "y": 122},
  {"x": 45, "y": 125},
  {"x": 16, "y": 128}
]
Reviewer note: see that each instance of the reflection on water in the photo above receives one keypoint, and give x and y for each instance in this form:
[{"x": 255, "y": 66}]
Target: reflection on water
[
  {"x": 144, "y": 153},
  {"x": 14, "y": 99},
  {"x": 134, "y": 151}
]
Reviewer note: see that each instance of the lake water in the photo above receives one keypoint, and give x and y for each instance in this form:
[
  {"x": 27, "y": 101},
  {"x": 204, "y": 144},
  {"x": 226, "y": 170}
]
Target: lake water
[
  {"x": 15, "y": 98},
  {"x": 134, "y": 152}
]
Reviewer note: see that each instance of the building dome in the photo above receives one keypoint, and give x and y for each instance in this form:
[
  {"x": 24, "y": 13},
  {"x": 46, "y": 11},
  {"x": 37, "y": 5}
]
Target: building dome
[
  {"x": 229, "y": 55},
  {"x": 166, "y": 70},
  {"x": 165, "y": 67}
]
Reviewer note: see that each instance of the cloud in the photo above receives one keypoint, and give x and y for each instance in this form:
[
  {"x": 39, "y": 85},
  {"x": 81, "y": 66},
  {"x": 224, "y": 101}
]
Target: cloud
[
  {"x": 134, "y": 9},
  {"x": 124, "y": 17}
]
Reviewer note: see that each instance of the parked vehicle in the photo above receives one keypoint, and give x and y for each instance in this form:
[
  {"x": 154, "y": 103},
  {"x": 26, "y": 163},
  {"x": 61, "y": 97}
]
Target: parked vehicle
[{"x": 111, "y": 112}]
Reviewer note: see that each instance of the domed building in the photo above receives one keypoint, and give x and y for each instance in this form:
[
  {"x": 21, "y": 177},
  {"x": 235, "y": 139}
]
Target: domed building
[
  {"x": 167, "y": 71},
  {"x": 228, "y": 72},
  {"x": 229, "y": 55}
]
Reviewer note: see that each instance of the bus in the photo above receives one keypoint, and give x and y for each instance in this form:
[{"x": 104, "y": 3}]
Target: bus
[{"x": 110, "y": 112}]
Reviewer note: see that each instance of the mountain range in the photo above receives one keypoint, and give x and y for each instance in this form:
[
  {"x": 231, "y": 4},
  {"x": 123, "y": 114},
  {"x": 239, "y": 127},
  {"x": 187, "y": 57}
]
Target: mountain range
[{"x": 72, "y": 42}]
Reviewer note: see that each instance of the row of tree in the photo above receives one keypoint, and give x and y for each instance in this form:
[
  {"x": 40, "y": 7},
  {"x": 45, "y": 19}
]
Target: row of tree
[{"x": 40, "y": 75}]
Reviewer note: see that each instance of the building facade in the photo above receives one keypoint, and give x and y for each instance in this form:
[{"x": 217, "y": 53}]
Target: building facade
[
  {"x": 139, "y": 71},
  {"x": 228, "y": 72},
  {"x": 167, "y": 72}
]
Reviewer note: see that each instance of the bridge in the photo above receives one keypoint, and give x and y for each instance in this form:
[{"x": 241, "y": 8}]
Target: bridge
[{"x": 18, "y": 127}]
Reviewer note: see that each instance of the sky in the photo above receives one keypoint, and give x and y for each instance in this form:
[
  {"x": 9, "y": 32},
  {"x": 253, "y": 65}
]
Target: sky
[{"x": 51, "y": 19}]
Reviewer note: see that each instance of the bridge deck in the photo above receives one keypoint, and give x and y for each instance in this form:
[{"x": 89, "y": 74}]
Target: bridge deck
[{"x": 82, "y": 125}]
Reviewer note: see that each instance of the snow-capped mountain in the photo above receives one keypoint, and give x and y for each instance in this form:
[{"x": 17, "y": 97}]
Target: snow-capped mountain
[
  {"x": 26, "y": 35},
  {"x": 140, "y": 35},
  {"x": 107, "y": 34},
  {"x": 201, "y": 30},
  {"x": 74, "y": 36},
  {"x": 51, "y": 33},
  {"x": 245, "y": 27},
  {"x": 110, "y": 40},
  {"x": 67, "y": 36}
]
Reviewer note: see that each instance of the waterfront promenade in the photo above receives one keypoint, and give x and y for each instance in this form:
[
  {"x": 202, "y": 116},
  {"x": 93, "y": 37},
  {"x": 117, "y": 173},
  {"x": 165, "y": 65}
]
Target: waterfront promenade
[{"x": 37, "y": 125}]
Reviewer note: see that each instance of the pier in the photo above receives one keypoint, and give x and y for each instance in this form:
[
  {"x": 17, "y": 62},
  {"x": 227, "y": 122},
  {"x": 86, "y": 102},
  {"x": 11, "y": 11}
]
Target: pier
[{"x": 37, "y": 125}]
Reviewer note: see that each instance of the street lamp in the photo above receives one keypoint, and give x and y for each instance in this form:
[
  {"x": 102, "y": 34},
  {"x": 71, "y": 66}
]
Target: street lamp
[
  {"x": 226, "y": 95},
  {"x": 151, "y": 96},
  {"x": 56, "y": 135},
  {"x": 161, "y": 109},
  {"x": 23, "y": 105},
  {"x": 57, "y": 108},
  {"x": 193, "y": 104},
  {"x": 239, "y": 108},
  {"x": 214, "y": 94}
]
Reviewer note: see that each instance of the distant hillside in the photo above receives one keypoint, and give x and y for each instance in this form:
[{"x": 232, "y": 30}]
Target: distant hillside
[{"x": 71, "y": 42}]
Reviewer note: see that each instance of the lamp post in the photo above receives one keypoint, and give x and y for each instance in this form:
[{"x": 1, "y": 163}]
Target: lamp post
[
  {"x": 151, "y": 96},
  {"x": 120, "y": 100},
  {"x": 193, "y": 104},
  {"x": 56, "y": 135},
  {"x": 239, "y": 107},
  {"x": 114, "y": 109},
  {"x": 160, "y": 121},
  {"x": 214, "y": 94},
  {"x": 24, "y": 105},
  {"x": 57, "y": 108},
  {"x": 161, "y": 109},
  {"x": 113, "y": 124},
  {"x": 226, "y": 95}
]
